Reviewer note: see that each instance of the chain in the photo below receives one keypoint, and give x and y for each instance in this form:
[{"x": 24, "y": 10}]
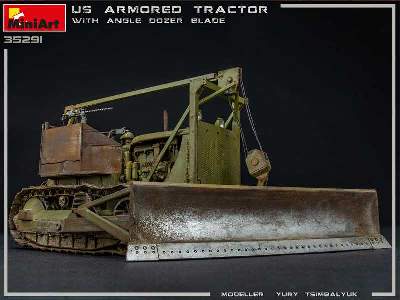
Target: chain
[
  {"x": 244, "y": 143},
  {"x": 249, "y": 115}
]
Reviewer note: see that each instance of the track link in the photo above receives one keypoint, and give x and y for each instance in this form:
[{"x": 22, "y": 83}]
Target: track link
[{"x": 46, "y": 192}]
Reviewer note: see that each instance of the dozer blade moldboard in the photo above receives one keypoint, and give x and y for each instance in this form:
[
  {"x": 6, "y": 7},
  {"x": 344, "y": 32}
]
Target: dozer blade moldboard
[{"x": 182, "y": 221}]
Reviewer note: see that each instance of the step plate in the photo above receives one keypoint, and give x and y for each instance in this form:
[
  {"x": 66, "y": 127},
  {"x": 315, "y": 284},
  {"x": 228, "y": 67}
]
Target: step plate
[{"x": 170, "y": 251}]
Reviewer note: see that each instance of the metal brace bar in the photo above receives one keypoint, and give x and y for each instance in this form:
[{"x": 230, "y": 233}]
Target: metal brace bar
[
  {"x": 138, "y": 92},
  {"x": 212, "y": 86},
  {"x": 179, "y": 124},
  {"x": 216, "y": 93},
  {"x": 164, "y": 149},
  {"x": 104, "y": 224},
  {"x": 229, "y": 120},
  {"x": 116, "y": 195}
]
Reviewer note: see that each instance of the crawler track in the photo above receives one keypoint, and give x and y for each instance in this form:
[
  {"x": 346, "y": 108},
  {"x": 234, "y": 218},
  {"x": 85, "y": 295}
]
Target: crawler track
[{"x": 70, "y": 242}]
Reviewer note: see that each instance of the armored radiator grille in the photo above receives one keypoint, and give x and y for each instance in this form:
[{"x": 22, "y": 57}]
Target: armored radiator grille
[{"x": 218, "y": 155}]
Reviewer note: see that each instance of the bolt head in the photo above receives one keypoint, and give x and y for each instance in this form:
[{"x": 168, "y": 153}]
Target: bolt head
[{"x": 255, "y": 161}]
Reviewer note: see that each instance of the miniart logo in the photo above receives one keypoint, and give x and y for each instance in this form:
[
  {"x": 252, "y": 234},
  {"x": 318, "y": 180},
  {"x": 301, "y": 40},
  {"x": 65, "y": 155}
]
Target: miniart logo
[{"x": 34, "y": 17}]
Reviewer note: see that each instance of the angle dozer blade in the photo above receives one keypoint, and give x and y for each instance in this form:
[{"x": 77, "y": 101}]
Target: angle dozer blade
[{"x": 182, "y": 221}]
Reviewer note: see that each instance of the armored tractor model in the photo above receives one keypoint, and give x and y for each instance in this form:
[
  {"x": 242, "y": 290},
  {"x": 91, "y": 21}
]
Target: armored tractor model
[{"x": 176, "y": 194}]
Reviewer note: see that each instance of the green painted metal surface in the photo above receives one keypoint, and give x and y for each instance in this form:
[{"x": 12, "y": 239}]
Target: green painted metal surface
[{"x": 218, "y": 154}]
